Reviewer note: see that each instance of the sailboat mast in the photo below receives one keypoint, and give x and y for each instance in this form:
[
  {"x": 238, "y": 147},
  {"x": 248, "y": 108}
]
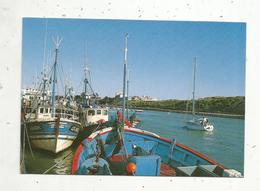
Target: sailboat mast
[
  {"x": 124, "y": 79},
  {"x": 193, "y": 92}
]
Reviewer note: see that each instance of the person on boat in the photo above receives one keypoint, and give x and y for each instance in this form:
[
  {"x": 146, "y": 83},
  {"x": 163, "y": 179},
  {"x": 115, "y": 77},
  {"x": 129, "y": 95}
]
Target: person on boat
[
  {"x": 132, "y": 117},
  {"x": 205, "y": 120},
  {"x": 120, "y": 118}
]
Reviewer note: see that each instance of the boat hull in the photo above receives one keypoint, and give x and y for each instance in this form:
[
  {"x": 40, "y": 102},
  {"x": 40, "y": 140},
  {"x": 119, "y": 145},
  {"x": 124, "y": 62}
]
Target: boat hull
[
  {"x": 197, "y": 125},
  {"x": 52, "y": 136},
  {"x": 157, "y": 153}
]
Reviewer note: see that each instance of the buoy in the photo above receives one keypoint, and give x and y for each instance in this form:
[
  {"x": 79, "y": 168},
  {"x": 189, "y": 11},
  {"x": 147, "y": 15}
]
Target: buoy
[{"x": 131, "y": 168}]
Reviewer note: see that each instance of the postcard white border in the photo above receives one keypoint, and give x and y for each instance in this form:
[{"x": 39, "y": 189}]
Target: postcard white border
[{"x": 11, "y": 14}]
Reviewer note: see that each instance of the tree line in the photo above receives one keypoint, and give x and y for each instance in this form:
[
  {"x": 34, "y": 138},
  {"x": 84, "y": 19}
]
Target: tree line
[{"x": 225, "y": 105}]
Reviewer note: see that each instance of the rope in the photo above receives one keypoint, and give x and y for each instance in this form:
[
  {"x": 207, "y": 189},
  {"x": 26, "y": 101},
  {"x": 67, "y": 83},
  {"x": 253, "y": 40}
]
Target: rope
[
  {"x": 23, "y": 144},
  {"x": 28, "y": 140},
  {"x": 57, "y": 163}
]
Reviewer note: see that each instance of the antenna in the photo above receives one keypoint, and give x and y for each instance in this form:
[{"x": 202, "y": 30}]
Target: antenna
[{"x": 57, "y": 42}]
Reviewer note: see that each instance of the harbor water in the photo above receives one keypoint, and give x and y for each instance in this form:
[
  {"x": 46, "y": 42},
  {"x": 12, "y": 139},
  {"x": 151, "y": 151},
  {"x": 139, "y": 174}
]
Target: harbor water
[{"x": 224, "y": 145}]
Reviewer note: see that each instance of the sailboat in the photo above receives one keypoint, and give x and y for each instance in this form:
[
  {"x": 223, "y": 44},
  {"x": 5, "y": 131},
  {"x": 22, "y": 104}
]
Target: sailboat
[
  {"x": 53, "y": 124},
  {"x": 123, "y": 150},
  {"x": 198, "y": 123}
]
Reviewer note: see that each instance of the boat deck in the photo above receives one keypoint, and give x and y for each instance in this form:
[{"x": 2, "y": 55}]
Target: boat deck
[{"x": 167, "y": 170}]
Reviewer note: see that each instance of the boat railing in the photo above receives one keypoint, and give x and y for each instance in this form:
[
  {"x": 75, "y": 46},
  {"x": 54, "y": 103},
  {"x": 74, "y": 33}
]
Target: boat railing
[
  {"x": 67, "y": 114},
  {"x": 45, "y": 113}
]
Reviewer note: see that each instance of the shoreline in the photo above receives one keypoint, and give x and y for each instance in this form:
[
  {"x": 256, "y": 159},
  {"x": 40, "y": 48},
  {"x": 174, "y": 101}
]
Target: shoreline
[{"x": 224, "y": 115}]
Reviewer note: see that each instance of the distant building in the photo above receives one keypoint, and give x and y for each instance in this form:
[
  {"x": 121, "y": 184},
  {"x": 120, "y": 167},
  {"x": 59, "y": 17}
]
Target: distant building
[
  {"x": 120, "y": 95},
  {"x": 30, "y": 94}
]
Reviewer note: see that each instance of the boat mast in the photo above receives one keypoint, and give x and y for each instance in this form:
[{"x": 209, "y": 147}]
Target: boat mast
[
  {"x": 127, "y": 93},
  {"x": 86, "y": 100},
  {"x": 57, "y": 43},
  {"x": 45, "y": 79},
  {"x": 193, "y": 92},
  {"x": 124, "y": 80}
]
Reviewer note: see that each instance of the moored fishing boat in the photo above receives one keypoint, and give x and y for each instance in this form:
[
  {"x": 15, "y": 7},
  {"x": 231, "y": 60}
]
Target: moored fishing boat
[
  {"x": 53, "y": 124},
  {"x": 90, "y": 112},
  {"x": 142, "y": 153}
]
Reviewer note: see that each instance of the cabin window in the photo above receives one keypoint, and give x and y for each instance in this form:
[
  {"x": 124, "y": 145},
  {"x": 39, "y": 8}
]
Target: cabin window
[
  {"x": 91, "y": 112},
  {"x": 104, "y": 112},
  {"x": 41, "y": 110},
  {"x": 98, "y": 112}
]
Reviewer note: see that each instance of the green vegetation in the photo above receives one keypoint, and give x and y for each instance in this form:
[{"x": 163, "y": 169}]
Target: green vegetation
[{"x": 221, "y": 105}]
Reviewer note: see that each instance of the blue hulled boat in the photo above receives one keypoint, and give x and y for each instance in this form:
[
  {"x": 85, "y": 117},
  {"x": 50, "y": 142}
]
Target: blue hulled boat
[
  {"x": 52, "y": 123},
  {"x": 53, "y": 133},
  {"x": 142, "y": 153}
]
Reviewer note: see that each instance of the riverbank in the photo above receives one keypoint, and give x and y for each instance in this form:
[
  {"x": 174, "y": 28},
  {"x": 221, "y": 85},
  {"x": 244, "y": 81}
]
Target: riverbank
[{"x": 189, "y": 112}]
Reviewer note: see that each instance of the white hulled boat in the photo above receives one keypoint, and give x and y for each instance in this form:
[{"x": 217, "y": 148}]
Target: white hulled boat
[
  {"x": 90, "y": 112},
  {"x": 53, "y": 124},
  {"x": 198, "y": 123}
]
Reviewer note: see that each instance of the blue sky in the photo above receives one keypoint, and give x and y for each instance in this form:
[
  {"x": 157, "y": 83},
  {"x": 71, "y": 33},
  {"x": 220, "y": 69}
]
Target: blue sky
[{"x": 160, "y": 55}]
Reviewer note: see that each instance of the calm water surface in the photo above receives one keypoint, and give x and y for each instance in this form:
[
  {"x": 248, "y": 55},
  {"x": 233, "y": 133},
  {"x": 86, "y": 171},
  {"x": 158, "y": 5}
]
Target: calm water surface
[{"x": 225, "y": 144}]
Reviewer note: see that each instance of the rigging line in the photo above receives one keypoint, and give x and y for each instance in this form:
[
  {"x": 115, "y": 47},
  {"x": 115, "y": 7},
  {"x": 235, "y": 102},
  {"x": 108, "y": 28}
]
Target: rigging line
[
  {"x": 78, "y": 89},
  {"x": 57, "y": 163},
  {"x": 45, "y": 44},
  {"x": 90, "y": 80},
  {"x": 62, "y": 84},
  {"x": 23, "y": 151},
  {"x": 25, "y": 126},
  {"x": 62, "y": 69},
  {"x": 29, "y": 142}
]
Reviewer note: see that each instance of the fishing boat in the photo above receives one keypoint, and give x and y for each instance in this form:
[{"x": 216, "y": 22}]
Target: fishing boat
[
  {"x": 90, "y": 112},
  {"x": 52, "y": 124},
  {"x": 142, "y": 153},
  {"x": 196, "y": 123}
]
